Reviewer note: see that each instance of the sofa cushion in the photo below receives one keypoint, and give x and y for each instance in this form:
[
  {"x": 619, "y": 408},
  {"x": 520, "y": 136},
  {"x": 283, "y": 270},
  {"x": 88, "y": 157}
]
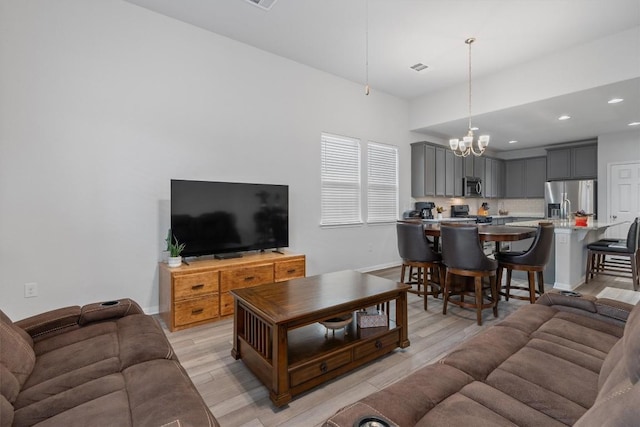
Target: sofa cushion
[
  {"x": 16, "y": 351},
  {"x": 480, "y": 355},
  {"x": 6, "y": 412},
  {"x": 495, "y": 406}
]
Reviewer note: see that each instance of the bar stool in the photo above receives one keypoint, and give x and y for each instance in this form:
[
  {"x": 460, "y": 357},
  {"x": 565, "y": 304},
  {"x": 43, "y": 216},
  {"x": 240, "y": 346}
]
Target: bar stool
[
  {"x": 462, "y": 255},
  {"x": 415, "y": 251},
  {"x": 533, "y": 260},
  {"x": 618, "y": 251}
]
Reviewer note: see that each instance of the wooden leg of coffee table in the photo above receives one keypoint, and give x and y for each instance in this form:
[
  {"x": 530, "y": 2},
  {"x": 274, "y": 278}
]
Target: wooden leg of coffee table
[
  {"x": 402, "y": 319},
  {"x": 280, "y": 373},
  {"x": 238, "y": 325}
]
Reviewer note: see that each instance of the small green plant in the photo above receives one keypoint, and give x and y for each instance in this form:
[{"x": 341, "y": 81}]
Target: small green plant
[{"x": 174, "y": 247}]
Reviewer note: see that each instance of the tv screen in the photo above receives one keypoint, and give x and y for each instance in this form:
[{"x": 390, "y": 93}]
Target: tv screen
[{"x": 223, "y": 217}]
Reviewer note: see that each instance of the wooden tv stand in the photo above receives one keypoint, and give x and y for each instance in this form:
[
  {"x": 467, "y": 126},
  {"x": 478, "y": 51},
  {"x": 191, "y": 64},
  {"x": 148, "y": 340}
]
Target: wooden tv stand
[{"x": 198, "y": 293}]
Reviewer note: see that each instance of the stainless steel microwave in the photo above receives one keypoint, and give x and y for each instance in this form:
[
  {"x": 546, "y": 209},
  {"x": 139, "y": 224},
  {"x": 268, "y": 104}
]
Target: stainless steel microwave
[{"x": 472, "y": 186}]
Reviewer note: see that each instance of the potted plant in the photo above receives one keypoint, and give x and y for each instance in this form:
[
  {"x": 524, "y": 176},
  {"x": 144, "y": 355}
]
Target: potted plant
[
  {"x": 175, "y": 248},
  {"x": 439, "y": 210}
]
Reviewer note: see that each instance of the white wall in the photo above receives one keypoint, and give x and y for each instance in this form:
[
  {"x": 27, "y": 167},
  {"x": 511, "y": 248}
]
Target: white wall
[
  {"x": 623, "y": 147},
  {"x": 103, "y": 102}
]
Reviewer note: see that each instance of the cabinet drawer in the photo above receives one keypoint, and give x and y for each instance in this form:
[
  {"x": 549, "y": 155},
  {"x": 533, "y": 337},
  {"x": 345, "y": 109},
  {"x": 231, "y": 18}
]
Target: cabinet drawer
[
  {"x": 245, "y": 277},
  {"x": 226, "y": 304},
  {"x": 195, "y": 284},
  {"x": 319, "y": 367},
  {"x": 196, "y": 310},
  {"x": 286, "y": 270},
  {"x": 389, "y": 340}
]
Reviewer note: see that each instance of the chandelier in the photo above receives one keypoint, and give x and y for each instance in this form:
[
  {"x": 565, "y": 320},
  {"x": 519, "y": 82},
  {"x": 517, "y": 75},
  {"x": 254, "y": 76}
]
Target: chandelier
[{"x": 466, "y": 146}]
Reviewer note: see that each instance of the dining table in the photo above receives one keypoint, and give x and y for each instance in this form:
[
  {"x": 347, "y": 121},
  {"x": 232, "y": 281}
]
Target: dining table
[{"x": 486, "y": 232}]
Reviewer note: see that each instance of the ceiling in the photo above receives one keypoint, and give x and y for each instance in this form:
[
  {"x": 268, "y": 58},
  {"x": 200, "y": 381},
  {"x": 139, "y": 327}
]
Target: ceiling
[{"x": 331, "y": 35}]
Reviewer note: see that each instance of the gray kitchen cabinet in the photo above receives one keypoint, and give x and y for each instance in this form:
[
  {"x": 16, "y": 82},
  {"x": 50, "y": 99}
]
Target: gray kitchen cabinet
[
  {"x": 514, "y": 178},
  {"x": 458, "y": 174},
  {"x": 498, "y": 177},
  {"x": 576, "y": 162},
  {"x": 535, "y": 176},
  {"x": 423, "y": 169},
  {"x": 558, "y": 164},
  {"x": 449, "y": 169},
  {"x": 478, "y": 166},
  {"x": 488, "y": 186},
  {"x": 417, "y": 169},
  {"x": 584, "y": 162},
  {"x": 468, "y": 165},
  {"x": 441, "y": 172},
  {"x": 525, "y": 178}
]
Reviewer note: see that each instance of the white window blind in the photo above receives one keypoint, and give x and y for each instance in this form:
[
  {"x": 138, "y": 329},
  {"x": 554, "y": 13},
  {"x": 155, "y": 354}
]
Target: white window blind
[
  {"x": 382, "y": 182},
  {"x": 341, "y": 191}
]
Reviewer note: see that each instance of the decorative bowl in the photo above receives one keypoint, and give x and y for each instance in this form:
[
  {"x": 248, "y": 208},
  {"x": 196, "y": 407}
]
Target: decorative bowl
[{"x": 337, "y": 323}]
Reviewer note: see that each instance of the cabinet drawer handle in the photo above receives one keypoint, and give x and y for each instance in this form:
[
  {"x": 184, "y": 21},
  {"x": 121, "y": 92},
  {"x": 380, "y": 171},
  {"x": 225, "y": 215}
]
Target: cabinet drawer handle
[
  {"x": 323, "y": 367},
  {"x": 292, "y": 270},
  {"x": 197, "y": 310},
  {"x": 378, "y": 344},
  {"x": 249, "y": 278},
  {"x": 199, "y": 286}
]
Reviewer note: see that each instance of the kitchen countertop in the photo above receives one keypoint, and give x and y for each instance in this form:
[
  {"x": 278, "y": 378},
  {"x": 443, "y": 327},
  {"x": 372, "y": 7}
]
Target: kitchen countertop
[{"x": 568, "y": 224}]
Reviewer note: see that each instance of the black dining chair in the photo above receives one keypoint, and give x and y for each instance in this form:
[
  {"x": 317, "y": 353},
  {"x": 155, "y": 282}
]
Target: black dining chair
[
  {"x": 616, "y": 258},
  {"x": 533, "y": 261},
  {"x": 462, "y": 254},
  {"x": 416, "y": 252}
]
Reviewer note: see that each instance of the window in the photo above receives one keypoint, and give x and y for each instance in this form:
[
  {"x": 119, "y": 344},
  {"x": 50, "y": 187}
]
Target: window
[
  {"x": 340, "y": 176},
  {"x": 382, "y": 182}
]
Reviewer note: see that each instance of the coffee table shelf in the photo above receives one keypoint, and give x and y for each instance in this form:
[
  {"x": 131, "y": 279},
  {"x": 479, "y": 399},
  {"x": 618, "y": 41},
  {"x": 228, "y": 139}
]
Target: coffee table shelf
[{"x": 277, "y": 334}]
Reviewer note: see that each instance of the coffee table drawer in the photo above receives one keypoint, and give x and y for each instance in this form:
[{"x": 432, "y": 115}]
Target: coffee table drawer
[
  {"x": 196, "y": 310},
  {"x": 372, "y": 347},
  {"x": 246, "y": 277},
  {"x": 319, "y": 367}
]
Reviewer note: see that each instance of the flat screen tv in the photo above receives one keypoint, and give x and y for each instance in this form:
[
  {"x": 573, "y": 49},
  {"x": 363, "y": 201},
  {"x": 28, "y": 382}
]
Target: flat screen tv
[{"x": 218, "y": 218}]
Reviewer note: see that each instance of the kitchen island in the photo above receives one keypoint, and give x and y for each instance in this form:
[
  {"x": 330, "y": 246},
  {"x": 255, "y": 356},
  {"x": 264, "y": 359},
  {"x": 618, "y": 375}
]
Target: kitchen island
[{"x": 570, "y": 248}]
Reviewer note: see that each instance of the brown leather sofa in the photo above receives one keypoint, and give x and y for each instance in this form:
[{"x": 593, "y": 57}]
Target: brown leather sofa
[
  {"x": 562, "y": 361},
  {"x": 103, "y": 364}
]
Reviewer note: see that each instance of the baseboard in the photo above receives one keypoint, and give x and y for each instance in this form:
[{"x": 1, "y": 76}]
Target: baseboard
[{"x": 379, "y": 267}]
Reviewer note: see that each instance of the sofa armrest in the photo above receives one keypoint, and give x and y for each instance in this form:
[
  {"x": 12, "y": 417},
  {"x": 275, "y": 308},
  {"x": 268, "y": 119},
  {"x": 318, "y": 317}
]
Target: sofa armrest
[
  {"x": 108, "y": 310},
  {"x": 51, "y": 322},
  {"x": 61, "y": 320},
  {"x": 611, "y": 309}
]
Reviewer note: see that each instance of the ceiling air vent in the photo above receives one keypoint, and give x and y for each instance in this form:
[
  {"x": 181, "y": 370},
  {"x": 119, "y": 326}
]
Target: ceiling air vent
[
  {"x": 419, "y": 67},
  {"x": 262, "y": 4}
]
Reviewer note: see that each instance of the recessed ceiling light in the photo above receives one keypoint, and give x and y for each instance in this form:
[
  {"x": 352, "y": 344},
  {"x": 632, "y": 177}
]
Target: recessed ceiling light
[
  {"x": 513, "y": 141},
  {"x": 419, "y": 66},
  {"x": 634, "y": 124},
  {"x": 615, "y": 100},
  {"x": 564, "y": 117}
]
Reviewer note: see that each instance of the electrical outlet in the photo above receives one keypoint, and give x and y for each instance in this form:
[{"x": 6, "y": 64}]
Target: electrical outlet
[{"x": 30, "y": 290}]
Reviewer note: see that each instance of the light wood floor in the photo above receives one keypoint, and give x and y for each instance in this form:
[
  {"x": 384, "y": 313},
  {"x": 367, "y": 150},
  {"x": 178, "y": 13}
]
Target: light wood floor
[{"x": 237, "y": 398}]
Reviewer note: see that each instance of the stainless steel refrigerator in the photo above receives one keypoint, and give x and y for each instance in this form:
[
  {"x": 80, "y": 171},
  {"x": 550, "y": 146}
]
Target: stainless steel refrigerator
[{"x": 571, "y": 196}]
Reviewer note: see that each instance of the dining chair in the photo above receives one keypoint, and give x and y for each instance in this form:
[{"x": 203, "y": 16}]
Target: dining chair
[
  {"x": 462, "y": 255},
  {"x": 616, "y": 258},
  {"x": 533, "y": 261},
  {"x": 416, "y": 252}
]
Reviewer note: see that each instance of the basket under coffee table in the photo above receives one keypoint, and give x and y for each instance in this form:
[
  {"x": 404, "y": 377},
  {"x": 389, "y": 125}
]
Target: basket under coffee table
[{"x": 277, "y": 335}]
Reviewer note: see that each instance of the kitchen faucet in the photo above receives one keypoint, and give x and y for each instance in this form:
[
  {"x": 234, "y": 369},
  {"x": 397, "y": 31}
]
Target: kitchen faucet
[{"x": 565, "y": 211}]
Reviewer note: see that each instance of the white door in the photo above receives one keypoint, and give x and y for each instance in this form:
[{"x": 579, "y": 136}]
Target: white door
[{"x": 624, "y": 197}]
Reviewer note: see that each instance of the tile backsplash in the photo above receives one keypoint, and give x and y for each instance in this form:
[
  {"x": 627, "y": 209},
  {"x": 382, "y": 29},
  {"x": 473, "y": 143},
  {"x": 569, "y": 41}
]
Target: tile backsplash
[{"x": 513, "y": 206}]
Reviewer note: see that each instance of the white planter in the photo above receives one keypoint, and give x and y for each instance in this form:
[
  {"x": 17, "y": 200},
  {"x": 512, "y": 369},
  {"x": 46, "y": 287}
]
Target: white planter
[
  {"x": 174, "y": 261},
  {"x": 439, "y": 216}
]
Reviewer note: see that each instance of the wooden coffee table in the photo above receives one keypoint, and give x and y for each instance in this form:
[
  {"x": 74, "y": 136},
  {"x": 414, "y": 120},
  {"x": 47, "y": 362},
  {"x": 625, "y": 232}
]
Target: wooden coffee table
[{"x": 277, "y": 335}]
